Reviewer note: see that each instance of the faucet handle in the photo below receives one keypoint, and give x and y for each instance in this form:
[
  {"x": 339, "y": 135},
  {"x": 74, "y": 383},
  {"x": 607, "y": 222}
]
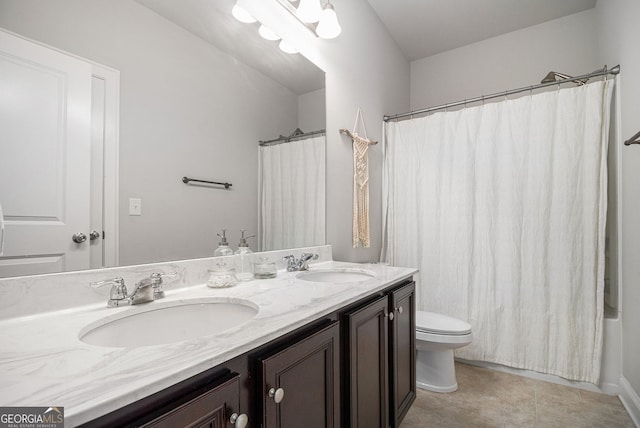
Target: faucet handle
[
  {"x": 291, "y": 262},
  {"x": 118, "y": 294},
  {"x": 304, "y": 260},
  {"x": 156, "y": 281}
]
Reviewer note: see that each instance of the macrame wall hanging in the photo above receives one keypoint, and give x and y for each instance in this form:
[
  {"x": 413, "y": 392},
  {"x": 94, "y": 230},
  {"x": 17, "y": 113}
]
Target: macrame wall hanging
[{"x": 361, "y": 237}]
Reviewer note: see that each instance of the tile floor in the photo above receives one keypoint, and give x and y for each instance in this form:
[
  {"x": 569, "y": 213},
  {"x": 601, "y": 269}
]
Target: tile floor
[{"x": 488, "y": 398}]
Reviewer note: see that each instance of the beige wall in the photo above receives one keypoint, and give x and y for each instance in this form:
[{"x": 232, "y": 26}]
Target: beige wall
[
  {"x": 186, "y": 108},
  {"x": 618, "y": 43},
  {"x": 513, "y": 60},
  {"x": 364, "y": 68},
  {"x": 312, "y": 111}
]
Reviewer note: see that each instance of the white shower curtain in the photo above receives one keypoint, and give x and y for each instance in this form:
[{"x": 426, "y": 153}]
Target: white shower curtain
[
  {"x": 502, "y": 207},
  {"x": 292, "y": 196}
]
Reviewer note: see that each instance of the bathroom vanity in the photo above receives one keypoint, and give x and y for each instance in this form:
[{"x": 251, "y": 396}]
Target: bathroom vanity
[
  {"x": 316, "y": 353},
  {"x": 355, "y": 363}
]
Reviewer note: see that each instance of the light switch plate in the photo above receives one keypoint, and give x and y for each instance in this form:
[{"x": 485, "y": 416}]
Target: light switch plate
[{"x": 135, "y": 206}]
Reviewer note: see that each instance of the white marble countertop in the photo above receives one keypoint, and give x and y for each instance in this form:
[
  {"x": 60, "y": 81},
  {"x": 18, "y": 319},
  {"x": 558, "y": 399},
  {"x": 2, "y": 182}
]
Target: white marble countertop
[{"x": 43, "y": 362}]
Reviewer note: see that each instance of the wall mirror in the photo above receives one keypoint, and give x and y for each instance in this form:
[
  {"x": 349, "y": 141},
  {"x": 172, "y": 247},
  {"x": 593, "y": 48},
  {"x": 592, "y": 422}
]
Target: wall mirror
[{"x": 198, "y": 90}]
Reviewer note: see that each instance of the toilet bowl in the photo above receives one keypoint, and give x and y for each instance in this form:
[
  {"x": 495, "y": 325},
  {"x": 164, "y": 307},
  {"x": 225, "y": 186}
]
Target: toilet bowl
[{"x": 436, "y": 337}]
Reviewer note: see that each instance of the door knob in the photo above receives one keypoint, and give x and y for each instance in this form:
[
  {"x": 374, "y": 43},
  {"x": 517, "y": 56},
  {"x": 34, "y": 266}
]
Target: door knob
[
  {"x": 276, "y": 394},
  {"x": 79, "y": 238},
  {"x": 94, "y": 235}
]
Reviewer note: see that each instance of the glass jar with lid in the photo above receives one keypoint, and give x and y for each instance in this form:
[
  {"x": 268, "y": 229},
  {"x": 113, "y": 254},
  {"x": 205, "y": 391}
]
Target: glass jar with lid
[{"x": 221, "y": 276}]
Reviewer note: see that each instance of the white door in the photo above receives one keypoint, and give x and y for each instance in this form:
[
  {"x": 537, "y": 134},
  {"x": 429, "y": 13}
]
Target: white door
[
  {"x": 45, "y": 124},
  {"x": 96, "y": 243}
]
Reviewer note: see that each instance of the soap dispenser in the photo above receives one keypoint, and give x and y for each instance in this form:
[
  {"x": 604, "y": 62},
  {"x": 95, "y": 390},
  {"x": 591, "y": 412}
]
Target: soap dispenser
[
  {"x": 243, "y": 259},
  {"x": 223, "y": 246}
]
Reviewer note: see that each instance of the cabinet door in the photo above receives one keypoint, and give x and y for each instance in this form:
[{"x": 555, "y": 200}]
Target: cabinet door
[
  {"x": 368, "y": 365},
  {"x": 213, "y": 409},
  {"x": 403, "y": 352},
  {"x": 308, "y": 373}
]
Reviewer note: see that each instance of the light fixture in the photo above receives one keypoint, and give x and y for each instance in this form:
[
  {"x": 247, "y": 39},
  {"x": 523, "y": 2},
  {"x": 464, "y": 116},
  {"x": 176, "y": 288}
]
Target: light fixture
[
  {"x": 287, "y": 47},
  {"x": 267, "y": 33},
  {"x": 242, "y": 15},
  {"x": 328, "y": 27},
  {"x": 309, "y": 11}
]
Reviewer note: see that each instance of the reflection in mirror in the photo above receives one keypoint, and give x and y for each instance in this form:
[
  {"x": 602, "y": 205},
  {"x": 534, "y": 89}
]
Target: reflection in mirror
[
  {"x": 292, "y": 191},
  {"x": 197, "y": 91}
]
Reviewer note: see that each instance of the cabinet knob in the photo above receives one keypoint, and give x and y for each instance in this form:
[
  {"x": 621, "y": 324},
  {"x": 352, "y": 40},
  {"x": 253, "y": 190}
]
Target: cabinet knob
[
  {"x": 240, "y": 421},
  {"x": 400, "y": 310},
  {"x": 276, "y": 394},
  {"x": 390, "y": 316}
]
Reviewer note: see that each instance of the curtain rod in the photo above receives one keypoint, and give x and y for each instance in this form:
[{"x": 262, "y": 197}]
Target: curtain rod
[
  {"x": 604, "y": 71},
  {"x": 296, "y": 135}
]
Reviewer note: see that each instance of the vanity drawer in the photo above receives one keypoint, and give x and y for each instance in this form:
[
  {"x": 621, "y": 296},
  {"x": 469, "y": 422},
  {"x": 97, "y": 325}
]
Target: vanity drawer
[{"x": 212, "y": 408}]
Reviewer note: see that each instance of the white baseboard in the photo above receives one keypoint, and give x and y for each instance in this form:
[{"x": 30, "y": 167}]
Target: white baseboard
[
  {"x": 609, "y": 388},
  {"x": 630, "y": 400}
]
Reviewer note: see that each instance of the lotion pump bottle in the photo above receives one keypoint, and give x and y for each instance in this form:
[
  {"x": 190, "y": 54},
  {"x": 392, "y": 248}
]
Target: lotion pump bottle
[
  {"x": 223, "y": 246},
  {"x": 243, "y": 259}
]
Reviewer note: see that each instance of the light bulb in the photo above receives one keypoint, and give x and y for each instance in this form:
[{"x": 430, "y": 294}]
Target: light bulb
[
  {"x": 309, "y": 11},
  {"x": 242, "y": 15},
  {"x": 267, "y": 33},
  {"x": 328, "y": 27},
  {"x": 287, "y": 47}
]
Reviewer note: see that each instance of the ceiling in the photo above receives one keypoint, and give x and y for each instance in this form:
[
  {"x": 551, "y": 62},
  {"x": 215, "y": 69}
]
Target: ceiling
[
  {"x": 211, "y": 20},
  {"x": 422, "y": 28}
]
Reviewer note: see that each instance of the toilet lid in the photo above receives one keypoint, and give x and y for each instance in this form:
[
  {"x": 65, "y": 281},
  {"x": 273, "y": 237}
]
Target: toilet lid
[{"x": 429, "y": 322}]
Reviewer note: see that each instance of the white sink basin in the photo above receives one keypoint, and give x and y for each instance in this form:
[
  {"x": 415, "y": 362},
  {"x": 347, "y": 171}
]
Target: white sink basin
[
  {"x": 336, "y": 276},
  {"x": 159, "y": 323}
]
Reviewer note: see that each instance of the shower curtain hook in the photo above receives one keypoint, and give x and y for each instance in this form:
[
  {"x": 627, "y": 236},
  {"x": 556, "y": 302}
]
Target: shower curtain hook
[
  {"x": 482, "y": 99},
  {"x": 505, "y": 96}
]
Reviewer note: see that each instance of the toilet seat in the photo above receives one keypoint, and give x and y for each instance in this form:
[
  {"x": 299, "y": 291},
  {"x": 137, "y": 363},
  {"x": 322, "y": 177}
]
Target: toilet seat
[{"x": 430, "y": 322}]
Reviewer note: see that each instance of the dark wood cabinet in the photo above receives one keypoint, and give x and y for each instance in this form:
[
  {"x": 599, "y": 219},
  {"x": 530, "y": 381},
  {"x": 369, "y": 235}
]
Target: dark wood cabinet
[
  {"x": 403, "y": 352},
  {"x": 368, "y": 379},
  {"x": 211, "y": 409},
  {"x": 380, "y": 338},
  {"x": 301, "y": 383}
]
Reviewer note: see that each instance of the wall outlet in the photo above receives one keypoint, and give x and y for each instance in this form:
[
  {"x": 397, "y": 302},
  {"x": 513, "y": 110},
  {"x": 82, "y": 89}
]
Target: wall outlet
[{"x": 135, "y": 206}]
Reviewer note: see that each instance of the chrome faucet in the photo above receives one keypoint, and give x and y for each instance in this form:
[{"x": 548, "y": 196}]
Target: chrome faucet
[
  {"x": 147, "y": 290},
  {"x": 302, "y": 263}
]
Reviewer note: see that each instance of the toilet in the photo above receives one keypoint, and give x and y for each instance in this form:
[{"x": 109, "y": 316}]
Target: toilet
[{"x": 436, "y": 337}]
